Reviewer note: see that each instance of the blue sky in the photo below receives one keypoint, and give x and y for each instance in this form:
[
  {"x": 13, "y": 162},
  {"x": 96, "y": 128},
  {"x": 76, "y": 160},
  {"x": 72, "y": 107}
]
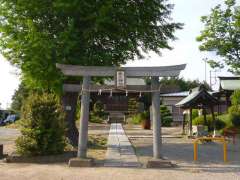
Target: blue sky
[{"x": 185, "y": 48}]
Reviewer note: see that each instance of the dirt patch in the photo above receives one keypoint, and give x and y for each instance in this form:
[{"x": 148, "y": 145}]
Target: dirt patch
[
  {"x": 97, "y": 146},
  {"x": 61, "y": 158}
]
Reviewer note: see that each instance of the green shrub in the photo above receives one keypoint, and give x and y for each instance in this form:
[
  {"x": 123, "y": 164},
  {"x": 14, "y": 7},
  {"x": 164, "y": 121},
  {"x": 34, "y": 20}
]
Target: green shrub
[
  {"x": 235, "y": 119},
  {"x": 98, "y": 114},
  {"x": 235, "y": 98},
  {"x": 219, "y": 124},
  {"x": 234, "y": 109},
  {"x": 145, "y": 115},
  {"x": 164, "y": 111},
  {"x": 43, "y": 126},
  {"x": 166, "y": 116},
  {"x": 194, "y": 113},
  {"x": 98, "y": 109},
  {"x": 200, "y": 121},
  {"x": 95, "y": 119},
  {"x": 133, "y": 105},
  {"x": 167, "y": 121},
  {"x": 136, "y": 118},
  {"x": 139, "y": 117},
  {"x": 226, "y": 119}
]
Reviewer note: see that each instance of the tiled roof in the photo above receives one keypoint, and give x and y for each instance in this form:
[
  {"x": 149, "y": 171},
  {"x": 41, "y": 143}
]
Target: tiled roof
[
  {"x": 198, "y": 95},
  {"x": 176, "y": 94}
]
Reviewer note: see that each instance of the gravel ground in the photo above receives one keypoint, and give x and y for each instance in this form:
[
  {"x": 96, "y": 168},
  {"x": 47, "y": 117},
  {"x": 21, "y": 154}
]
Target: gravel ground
[
  {"x": 210, "y": 166},
  {"x": 62, "y": 172},
  {"x": 180, "y": 150},
  {"x": 7, "y": 138}
]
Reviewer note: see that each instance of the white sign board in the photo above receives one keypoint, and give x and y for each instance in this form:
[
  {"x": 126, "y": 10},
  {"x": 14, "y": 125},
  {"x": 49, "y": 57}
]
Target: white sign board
[
  {"x": 68, "y": 108},
  {"x": 120, "y": 79}
]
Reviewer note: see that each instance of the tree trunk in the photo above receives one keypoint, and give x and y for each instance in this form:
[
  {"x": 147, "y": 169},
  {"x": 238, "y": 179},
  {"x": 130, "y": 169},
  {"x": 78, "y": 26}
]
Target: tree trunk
[{"x": 69, "y": 102}]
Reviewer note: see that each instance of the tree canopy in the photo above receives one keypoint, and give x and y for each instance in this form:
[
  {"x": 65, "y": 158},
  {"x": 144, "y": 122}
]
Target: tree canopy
[
  {"x": 184, "y": 85},
  {"x": 19, "y": 96},
  {"x": 221, "y": 34},
  {"x": 35, "y": 35}
]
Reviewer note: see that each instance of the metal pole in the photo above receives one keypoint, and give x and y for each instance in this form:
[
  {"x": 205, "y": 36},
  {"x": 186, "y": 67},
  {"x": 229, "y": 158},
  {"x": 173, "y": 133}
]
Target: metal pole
[
  {"x": 224, "y": 151},
  {"x": 157, "y": 139},
  {"x": 205, "y": 61},
  {"x": 195, "y": 150},
  {"x": 83, "y": 128}
]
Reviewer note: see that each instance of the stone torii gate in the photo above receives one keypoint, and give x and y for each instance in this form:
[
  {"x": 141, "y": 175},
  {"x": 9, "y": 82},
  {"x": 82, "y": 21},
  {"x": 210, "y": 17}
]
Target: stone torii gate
[{"x": 88, "y": 71}]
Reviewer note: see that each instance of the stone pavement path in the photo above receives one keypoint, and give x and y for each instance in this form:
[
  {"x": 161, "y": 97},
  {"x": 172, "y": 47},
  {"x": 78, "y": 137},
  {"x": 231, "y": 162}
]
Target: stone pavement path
[{"x": 120, "y": 152}]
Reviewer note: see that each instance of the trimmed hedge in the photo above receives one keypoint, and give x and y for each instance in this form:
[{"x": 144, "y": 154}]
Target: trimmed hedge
[{"x": 166, "y": 116}]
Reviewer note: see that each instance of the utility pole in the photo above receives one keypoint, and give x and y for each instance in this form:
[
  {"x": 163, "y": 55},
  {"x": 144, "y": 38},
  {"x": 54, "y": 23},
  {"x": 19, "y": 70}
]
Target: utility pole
[
  {"x": 213, "y": 77},
  {"x": 205, "y": 60}
]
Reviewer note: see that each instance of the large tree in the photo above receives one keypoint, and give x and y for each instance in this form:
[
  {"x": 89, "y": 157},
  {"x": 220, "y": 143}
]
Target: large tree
[
  {"x": 36, "y": 34},
  {"x": 19, "y": 97},
  {"x": 221, "y": 34}
]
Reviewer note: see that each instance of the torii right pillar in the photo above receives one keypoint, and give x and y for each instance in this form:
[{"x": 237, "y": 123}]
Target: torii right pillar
[{"x": 157, "y": 161}]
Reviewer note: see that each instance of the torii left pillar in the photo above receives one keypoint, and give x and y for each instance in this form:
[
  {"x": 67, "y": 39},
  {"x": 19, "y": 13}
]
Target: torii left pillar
[
  {"x": 157, "y": 161},
  {"x": 82, "y": 160}
]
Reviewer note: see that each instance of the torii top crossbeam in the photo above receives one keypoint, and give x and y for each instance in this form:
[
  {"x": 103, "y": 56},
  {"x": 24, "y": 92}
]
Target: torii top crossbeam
[{"x": 160, "y": 71}]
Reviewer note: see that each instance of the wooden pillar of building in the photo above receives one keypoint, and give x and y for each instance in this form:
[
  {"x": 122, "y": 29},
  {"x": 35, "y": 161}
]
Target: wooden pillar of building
[
  {"x": 156, "y": 119},
  {"x": 205, "y": 115},
  {"x": 84, "y": 117},
  {"x": 190, "y": 122},
  {"x": 219, "y": 104},
  {"x": 228, "y": 101},
  {"x": 214, "y": 122},
  {"x": 183, "y": 123}
]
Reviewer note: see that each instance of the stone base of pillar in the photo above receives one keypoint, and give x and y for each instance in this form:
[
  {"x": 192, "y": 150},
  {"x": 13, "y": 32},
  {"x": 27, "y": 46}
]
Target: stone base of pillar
[
  {"x": 80, "y": 162},
  {"x": 160, "y": 163}
]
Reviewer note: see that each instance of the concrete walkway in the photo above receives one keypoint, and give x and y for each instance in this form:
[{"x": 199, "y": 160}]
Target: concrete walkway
[{"x": 120, "y": 152}]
